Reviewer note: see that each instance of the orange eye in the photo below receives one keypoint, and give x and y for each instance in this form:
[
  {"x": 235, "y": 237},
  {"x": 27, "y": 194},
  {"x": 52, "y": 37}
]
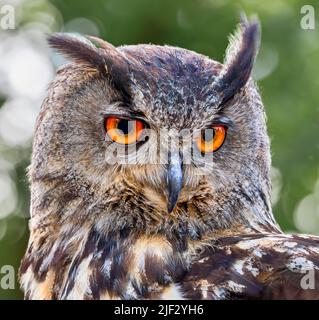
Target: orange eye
[
  {"x": 124, "y": 131},
  {"x": 211, "y": 139}
]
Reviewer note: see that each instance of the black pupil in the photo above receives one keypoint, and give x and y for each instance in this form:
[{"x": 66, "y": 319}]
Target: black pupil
[
  {"x": 208, "y": 135},
  {"x": 125, "y": 126}
]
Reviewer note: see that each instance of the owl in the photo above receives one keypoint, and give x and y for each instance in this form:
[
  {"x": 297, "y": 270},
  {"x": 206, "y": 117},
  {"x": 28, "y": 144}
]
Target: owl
[{"x": 150, "y": 179}]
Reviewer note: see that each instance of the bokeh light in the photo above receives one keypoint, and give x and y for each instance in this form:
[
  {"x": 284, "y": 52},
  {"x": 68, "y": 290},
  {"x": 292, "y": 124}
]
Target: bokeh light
[{"x": 306, "y": 215}]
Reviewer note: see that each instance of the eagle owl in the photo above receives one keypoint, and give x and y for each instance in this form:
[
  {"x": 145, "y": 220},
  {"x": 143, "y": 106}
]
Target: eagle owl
[{"x": 198, "y": 227}]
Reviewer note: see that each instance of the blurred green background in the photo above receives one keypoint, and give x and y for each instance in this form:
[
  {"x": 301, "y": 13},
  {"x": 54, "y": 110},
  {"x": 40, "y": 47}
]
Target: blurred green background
[{"x": 287, "y": 71}]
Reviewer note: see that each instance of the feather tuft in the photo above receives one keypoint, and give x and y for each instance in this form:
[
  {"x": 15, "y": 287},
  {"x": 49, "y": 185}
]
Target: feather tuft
[{"x": 239, "y": 60}]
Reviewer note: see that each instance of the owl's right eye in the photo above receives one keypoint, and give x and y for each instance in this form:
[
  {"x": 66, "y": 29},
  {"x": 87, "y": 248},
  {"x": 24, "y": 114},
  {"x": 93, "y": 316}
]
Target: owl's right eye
[{"x": 124, "y": 131}]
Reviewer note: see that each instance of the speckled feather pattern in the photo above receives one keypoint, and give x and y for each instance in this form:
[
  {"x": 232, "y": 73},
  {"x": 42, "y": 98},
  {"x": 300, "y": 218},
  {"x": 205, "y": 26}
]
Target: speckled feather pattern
[{"x": 102, "y": 231}]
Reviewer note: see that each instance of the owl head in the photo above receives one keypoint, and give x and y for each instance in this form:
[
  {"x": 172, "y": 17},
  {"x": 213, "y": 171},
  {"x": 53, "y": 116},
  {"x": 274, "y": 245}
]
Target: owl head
[{"x": 154, "y": 138}]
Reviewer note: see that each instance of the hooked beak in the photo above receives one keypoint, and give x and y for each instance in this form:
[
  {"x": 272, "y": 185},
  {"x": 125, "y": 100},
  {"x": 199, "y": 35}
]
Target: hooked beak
[{"x": 174, "y": 181}]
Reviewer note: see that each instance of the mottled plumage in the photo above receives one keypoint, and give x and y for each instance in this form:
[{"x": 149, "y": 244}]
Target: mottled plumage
[{"x": 105, "y": 231}]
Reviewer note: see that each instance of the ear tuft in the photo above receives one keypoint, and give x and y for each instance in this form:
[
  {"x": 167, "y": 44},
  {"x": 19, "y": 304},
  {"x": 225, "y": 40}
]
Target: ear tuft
[
  {"x": 105, "y": 58},
  {"x": 77, "y": 49},
  {"x": 101, "y": 43},
  {"x": 240, "y": 57}
]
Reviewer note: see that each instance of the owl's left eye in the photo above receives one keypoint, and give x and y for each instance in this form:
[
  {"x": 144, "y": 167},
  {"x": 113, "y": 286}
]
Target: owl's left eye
[
  {"x": 211, "y": 139},
  {"x": 124, "y": 131}
]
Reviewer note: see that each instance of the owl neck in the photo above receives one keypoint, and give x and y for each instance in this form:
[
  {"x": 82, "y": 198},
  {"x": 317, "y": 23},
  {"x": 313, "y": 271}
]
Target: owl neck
[
  {"x": 118, "y": 242},
  {"x": 239, "y": 210},
  {"x": 87, "y": 263}
]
